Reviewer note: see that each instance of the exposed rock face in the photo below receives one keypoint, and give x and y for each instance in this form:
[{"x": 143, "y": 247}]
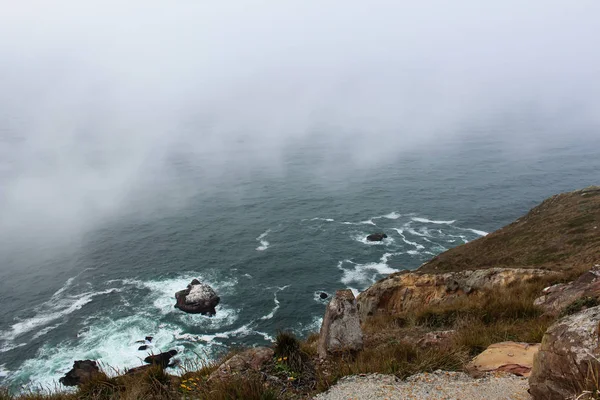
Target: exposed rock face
[
  {"x": 162, "y": 359},
  {"x": 198, "y": 298},
  {"x": 376, "y": 237},
  {"x": 340, "y": 330},
  {"x": 405, "y": 291},
  {"x": 82, "y": 372},
  {"x": 252, "y": 359},
  {"x": 516, "y": 358},
  {"x": 558, "y": 297},
  {"x": 569, "y": 352},
  {"x": 437, "y": 339}
]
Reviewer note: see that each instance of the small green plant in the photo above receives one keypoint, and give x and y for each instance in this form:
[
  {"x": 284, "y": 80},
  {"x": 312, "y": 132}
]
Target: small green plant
[{"x": 580, "y": 304}]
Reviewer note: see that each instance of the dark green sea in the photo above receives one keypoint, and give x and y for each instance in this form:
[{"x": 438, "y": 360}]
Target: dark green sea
[{"x": 268, "y": 241}]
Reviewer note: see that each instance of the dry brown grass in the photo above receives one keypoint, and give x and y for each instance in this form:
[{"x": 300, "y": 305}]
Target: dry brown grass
[{"x": 561, "y": 232}]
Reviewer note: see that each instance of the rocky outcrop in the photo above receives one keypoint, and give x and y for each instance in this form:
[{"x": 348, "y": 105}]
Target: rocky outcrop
[
  {"x": 162, "y": 359},
  {"x": 340, "y": 331},
  {"x": 585, "y": 289},
  {"x": 406, "y": 291},
  {"x": 198, "y": 298},
  {"x": 437, "y": 339},
  {"x": 376, "y": 237},
  {"x": 515, "y": 358},
  {"x": 568, "y": 356},
  {"x": 253, "y": 359},
  {"x": 82, "y": 372}
]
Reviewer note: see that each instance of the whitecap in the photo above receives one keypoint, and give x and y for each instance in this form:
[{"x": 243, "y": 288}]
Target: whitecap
[
  {"x": 323, "y": 219},
  {"x": 477, "y": 232},
  {"x": 429, "y": 221},
  {"x": 360, "y": 272},
  {"x": 9, "y": 347},
  {"x": 415, "y": 244},
  {"x": 53, "y": 310},
  {"x": 392, "y": 215},
  {"x": 263, "y": 243},
  {"x": 367, "y": 222},
  {"x": 3, "y": 371},
  {"x": 272, "y": 313}
]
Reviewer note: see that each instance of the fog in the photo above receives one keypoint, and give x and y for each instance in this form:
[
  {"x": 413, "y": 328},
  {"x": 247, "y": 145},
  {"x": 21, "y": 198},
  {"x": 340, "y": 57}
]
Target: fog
[{"x": 106, "y": 104}]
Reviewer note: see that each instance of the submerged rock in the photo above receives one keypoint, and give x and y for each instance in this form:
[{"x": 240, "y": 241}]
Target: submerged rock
[
  {"x": 82, "y": 372},
  {"x": 162, "y": 359},
  {"x": 198, "y": 298},
  {"x": 568, "y": 357},
  {"x": 376, "y": 237},
  {"x": 340, "y": 331}
]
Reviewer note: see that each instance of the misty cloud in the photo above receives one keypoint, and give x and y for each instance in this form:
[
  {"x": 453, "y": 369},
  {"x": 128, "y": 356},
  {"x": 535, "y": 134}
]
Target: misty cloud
[{"x": 105, "y": 104}]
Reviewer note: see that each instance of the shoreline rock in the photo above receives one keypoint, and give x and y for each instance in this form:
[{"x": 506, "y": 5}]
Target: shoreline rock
[
  {"x": 198, "y": 298},
  {"x": 340, "y": 330}
]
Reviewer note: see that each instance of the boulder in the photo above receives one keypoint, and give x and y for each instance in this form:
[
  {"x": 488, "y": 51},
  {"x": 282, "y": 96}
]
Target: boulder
[
  {"x": 249, "y": 360},
  {"x": 82, "y": 372},
  {"x": 568, "y": 356},
  {"x": 162, "y": 359},
  {"x": 198, "y": 298},
  {"x": 512, "y": 357},
  {"x": 407, "y": 291},
  {"x": 376, "y": 237},
  {"x": 323, "y": 295},
  {"x": 585, "y": 290},
  {"x": 142, "y": 348},
  {"x": 340, "y": 331}
]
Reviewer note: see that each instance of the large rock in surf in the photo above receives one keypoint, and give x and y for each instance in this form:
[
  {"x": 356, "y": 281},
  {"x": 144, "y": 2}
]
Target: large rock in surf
[
  {"x": 340, "y": 331},
  {"x": 403, "y": 292},
  {"x": 198, "y": 298},
  {"x": 376, "y": 237},
  {"x": 82, "y": 372},
  {"x": 162, "y": 359},
  {"x": 584, "y": 292},
  {"x": 567, "y": 362}
]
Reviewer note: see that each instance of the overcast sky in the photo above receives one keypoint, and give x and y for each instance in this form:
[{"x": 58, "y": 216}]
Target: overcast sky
[{"x": 96, "y": 96}]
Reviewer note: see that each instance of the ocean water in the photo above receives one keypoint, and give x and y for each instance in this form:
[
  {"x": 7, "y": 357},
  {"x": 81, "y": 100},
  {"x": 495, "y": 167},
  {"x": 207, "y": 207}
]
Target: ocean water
[{"x": 268, "y": 244}]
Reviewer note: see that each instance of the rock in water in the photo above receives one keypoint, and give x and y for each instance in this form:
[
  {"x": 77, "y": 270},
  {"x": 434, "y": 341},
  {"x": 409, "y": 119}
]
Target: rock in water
[
  {"x": 162, "y": 359},
  {"x": 376, "y": 237},
  {"x": 82, "y": 371},
  {"x": 340, "y": 330},
  {"x": 323, "y": 295},
  {"x": 142, "y": 348},
  {"x": 567, "y": 358},
  {"x": 198, "y": 298}
]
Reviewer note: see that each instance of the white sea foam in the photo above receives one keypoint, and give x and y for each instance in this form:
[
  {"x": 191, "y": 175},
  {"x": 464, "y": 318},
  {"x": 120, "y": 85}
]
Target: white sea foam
[
  {"x": 367, "y": 222},
  {"x": 415, "y": 244},
  {"x": 9, "y": 347},
  {"x": 322, "y": 219},
  {"x": 429, "y": 221},
  {"x": 392, "y": 215},
  {"x": 263, "y": 243},
  {"x": 3, "y": 371},
  {"x": 363, "y": 273},
  {"x": 422, "y": 232},
  {"x": 277, "y": 305},
  {"x": 477, "y": 232},
  {"x": 52, "y": 310}
]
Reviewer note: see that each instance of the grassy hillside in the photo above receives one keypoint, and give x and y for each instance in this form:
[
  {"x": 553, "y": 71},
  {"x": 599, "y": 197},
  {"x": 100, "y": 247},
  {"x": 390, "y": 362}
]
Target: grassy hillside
[{"x": 561, "y": 233}]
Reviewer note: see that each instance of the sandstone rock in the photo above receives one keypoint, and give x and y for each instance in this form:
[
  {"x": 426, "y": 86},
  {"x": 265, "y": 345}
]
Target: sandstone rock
[
  {"x": 252, "y": 359},
  {"x": 436, "y": 339},
  {"x": 341, "y": 329},
  {"x": 376, "y": 237},
  {"x": 568, "y": 355},
  {"x": 516, "y": 358},
  {"x": 406, "y": 291},
  {"x": 162, "y": 359},
  {"x": 558, "y": 297},
  {"x": 198, "y": 298},
  {"x": 82, "y": 372}
]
